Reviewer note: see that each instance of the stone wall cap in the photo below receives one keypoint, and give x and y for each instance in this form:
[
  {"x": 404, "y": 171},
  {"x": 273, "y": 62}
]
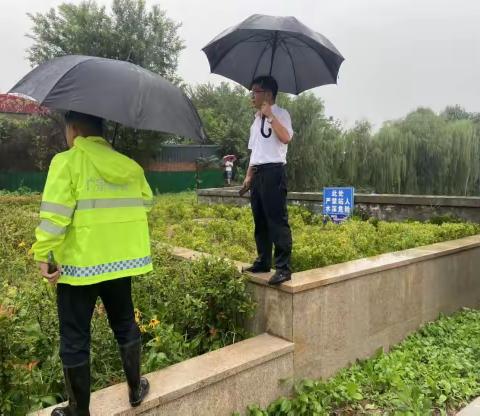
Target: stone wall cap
[
  {"x": 473, "y": 409},
  {"x": 183, "y": 253},
  {"x": 328, "y": 275},
  {"x": 313, "y": 278},
  {"x": 188, "y": 376}
]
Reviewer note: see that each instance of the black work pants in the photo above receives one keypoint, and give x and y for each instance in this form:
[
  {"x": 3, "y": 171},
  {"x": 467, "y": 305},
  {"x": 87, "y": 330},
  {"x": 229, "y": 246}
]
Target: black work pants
[
  {"x": 75, "y": 308},
  {"x": 269, "y": 207}
]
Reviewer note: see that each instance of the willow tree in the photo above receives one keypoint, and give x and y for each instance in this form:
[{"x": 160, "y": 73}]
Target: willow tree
[
  {"x": 312, "y": 156},
  {"x": 357, "y": 166},
  {"x": 425, "y": 153}
]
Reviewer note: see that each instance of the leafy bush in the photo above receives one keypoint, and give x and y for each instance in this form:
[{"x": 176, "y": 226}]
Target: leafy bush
[
  {"x": 433, "y": 372},
  {"x": 228, "y": 231},
  {"x": 28, "y": 144},
  {"x": 183, "y": 309}
]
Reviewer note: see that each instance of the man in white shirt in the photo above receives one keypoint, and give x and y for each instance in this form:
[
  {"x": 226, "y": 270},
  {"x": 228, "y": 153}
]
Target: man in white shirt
[{"x": 266, "y": 178}]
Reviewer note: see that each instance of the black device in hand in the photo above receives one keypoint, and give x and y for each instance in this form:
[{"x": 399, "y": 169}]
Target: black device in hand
[
  {"x": 243, "y": 190},
  {"x": 52, "y": 264}
]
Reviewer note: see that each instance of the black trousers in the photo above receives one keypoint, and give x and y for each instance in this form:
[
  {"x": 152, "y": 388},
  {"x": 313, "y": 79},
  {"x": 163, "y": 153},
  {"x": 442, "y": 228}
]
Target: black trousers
[
  {"x": 268, "y": 198},
  {"x": 75, "y": 308}
]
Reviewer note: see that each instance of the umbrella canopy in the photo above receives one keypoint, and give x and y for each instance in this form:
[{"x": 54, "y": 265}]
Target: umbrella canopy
[
  {"x": 232, "y": 158},
  {"x": 114, "y": 90},
  {"x": 283, "y": 47}
]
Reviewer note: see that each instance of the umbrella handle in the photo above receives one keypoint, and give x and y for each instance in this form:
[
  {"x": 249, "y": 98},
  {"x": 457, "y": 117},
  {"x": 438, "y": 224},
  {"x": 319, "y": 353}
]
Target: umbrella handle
[{"x": 262, "y": 130}]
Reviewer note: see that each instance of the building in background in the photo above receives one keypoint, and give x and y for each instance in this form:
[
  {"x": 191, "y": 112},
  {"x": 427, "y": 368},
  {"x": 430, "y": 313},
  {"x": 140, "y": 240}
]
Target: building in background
[
  {"x": 177, "y": 167},
  {"x": 17, "y": 107}
]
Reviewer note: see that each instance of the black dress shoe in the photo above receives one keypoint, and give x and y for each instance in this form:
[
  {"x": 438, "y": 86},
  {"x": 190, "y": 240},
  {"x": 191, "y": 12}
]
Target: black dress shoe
[
  {"x": 256, "y": 268},
  {"x": 280, "y": 276}
]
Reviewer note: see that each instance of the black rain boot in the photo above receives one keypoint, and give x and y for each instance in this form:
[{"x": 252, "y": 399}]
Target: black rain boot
[
  {"x": 137, "y": 386},
  {"x": 77, "y": 384}
]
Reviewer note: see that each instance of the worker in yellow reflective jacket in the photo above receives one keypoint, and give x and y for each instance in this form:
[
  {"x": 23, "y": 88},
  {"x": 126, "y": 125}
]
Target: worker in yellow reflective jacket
[{"x": 94, "y": 220}]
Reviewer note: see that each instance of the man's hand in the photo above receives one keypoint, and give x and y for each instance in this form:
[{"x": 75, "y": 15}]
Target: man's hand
[
  {"x": 246, "y": 186},
  {"x": 247, "y": 182},
  {"x": 51, "y": 277},
  {"x": 266, "y": 110},
  {"x": 277, "y": 126}
]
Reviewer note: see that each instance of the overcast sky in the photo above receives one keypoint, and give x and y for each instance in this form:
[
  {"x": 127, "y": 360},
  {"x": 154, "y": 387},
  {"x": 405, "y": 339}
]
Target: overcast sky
[{"x": 400, "y": 54}]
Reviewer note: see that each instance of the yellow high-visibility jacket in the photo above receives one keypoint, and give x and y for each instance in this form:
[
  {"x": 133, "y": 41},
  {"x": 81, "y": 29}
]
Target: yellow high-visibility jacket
[{"x": 94, "y": 214}]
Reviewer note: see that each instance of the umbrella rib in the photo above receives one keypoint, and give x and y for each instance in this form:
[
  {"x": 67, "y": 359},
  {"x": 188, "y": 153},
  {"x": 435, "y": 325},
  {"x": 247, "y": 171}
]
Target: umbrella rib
[
  {"x": 257, "y": 40},
  {"x": 320, "y": 56},
  {"x": 228, "y": 50},
  {"x": 274, "y": 49},
  {"x": 293, "y": 64},
  {"x": 258, "y": 60}
]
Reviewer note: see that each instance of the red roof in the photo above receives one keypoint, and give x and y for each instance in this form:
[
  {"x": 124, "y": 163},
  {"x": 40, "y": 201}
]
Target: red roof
[{"x": 17, "y": 105}]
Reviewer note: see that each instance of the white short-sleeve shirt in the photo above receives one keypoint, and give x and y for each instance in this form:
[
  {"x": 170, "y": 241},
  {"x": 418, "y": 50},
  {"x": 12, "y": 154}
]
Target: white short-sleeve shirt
[{"x": 269, "y": 149}]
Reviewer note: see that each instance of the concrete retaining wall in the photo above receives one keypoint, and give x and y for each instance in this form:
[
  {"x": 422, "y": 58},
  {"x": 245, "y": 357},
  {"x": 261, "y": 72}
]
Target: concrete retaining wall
[
  {"x": 384, "y": 207},
  {"x": 337, "y": 314}
]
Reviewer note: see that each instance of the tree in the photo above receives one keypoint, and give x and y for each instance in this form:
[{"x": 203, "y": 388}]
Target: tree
[
  {"x": 356, "y": 166},
  {"x": 313, "y": 155},
  {"x": 226, "y": 114},
  {"x": 130, "y": 32},
  {"x": 28, "y": 144},
  {"x": 455, "y": 113},
  {"x": 426, "y": 153}
]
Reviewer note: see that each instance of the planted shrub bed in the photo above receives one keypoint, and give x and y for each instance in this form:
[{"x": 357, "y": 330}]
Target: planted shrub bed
[
  {"x": 188, "y": 308},
  {"x": 183, "y": 309},
  {"x": 227, "y": 230}
]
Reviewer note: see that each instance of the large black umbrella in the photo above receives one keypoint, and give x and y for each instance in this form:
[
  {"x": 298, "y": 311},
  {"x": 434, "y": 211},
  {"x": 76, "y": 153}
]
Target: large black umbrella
[
  {"x": 114, "y": 90},
  {"x": 283, "y": 47}
]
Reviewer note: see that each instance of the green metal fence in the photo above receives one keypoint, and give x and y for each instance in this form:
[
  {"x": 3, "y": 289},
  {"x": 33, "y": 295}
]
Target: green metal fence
[
  {"x": 12, "y": 181},
  {"x": 160, "y": 182}
]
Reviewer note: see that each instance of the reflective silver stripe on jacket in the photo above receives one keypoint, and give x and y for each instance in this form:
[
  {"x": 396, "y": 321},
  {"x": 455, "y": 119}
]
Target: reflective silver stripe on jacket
[
  {"x": 55, "y": 208},
  {"x": 52, "y": 228},
  {"x": 109, "y": 203}
]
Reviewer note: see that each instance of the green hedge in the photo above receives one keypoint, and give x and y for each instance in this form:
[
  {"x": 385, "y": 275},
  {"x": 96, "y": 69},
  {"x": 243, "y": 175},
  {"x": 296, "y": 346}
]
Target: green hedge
[{"x": 183, "y": 309}]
